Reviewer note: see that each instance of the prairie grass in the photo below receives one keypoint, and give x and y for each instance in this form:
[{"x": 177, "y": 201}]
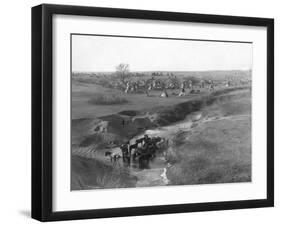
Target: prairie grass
[
  {"x": 107, "y": 99},
  {"x": 206, "y": 166},
  {"x": 217, "y": 151},
  {"x": 92, "y": 173}
]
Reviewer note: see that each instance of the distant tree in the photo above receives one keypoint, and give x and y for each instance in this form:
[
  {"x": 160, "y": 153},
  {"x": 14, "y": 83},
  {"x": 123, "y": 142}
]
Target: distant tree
[{"x": 122, "y": 71}]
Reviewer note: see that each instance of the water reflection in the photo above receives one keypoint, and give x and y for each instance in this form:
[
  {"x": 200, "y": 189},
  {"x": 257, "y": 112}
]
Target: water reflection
[{"x": 137, "y": 163}]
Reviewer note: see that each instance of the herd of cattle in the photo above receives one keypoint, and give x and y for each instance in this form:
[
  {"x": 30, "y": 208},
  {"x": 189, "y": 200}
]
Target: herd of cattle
[{"x": 142, "y": 151}]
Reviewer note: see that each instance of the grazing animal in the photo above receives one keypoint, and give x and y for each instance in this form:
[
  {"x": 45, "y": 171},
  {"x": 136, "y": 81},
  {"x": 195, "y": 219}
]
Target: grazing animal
[
  {"x": 108, "y": 153},
  {"x": 139, "y": 141},
  {"x": 125, "y": 150},
  {"x": 133, "y": 146},
  {"x": 156, "y": 139}
]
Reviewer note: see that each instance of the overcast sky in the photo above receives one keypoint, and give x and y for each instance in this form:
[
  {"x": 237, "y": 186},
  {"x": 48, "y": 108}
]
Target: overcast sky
[{"x": 97, "y": 54}]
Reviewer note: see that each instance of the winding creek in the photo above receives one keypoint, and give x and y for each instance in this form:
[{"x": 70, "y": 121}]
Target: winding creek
[{"x": 155, "y": 172}]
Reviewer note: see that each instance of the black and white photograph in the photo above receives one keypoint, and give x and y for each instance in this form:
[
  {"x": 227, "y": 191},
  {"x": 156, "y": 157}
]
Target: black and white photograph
[
  {"x": 157, "y": 111},
  {"x": 141, "y": 112}
]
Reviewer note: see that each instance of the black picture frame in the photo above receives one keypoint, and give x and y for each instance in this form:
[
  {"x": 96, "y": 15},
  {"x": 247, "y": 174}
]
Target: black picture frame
[{"x": 42, "y": 107}]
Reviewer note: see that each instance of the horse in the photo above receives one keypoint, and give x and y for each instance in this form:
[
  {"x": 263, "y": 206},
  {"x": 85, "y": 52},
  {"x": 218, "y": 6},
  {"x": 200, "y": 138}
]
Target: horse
[
  {"x": 139, "y": 141},
  {"x": 133, "y": 146},
  {"x": 126, "y": 153},
  {"x": 114, "y": 157}
]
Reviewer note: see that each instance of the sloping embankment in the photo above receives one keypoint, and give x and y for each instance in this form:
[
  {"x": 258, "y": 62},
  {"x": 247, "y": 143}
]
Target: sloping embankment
[
  {"x": 121, "y": 127},
  {"x": 92, "y": 173},
  {"x": 218, "y": 148},
  {"x": 176, "y": 113}
]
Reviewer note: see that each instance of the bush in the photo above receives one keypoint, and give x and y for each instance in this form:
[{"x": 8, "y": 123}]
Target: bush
[{"x": 107, "y": 99}]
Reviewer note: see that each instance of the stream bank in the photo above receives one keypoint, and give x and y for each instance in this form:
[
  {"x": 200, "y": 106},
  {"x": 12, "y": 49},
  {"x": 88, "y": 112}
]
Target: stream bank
[{"x": 190, "y": 119}]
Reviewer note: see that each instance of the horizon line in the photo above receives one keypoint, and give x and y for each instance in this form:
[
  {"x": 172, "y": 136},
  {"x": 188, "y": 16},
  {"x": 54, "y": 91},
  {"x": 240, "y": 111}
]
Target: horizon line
[{"x": 164, "y": 71}]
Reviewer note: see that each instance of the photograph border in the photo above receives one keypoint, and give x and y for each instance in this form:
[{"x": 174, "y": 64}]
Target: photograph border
[{"x": 42, "y": 108}]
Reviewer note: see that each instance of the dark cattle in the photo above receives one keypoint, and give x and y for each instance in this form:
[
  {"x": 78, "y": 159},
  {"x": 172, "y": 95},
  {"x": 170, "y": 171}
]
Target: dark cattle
[
  {"x": 143, "y": 150},
  {"x": 108, "y": 153},
  {"x": 143, "y": 156},
  {"x": 114, "y": 157},
  {"x": 124, "y": 149},
  {"x": 126, "y": 153},
  {"x": 139, "y": 141},
  {"x": 156, "y": 139},
  {"x": 133, "y": 146}
]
